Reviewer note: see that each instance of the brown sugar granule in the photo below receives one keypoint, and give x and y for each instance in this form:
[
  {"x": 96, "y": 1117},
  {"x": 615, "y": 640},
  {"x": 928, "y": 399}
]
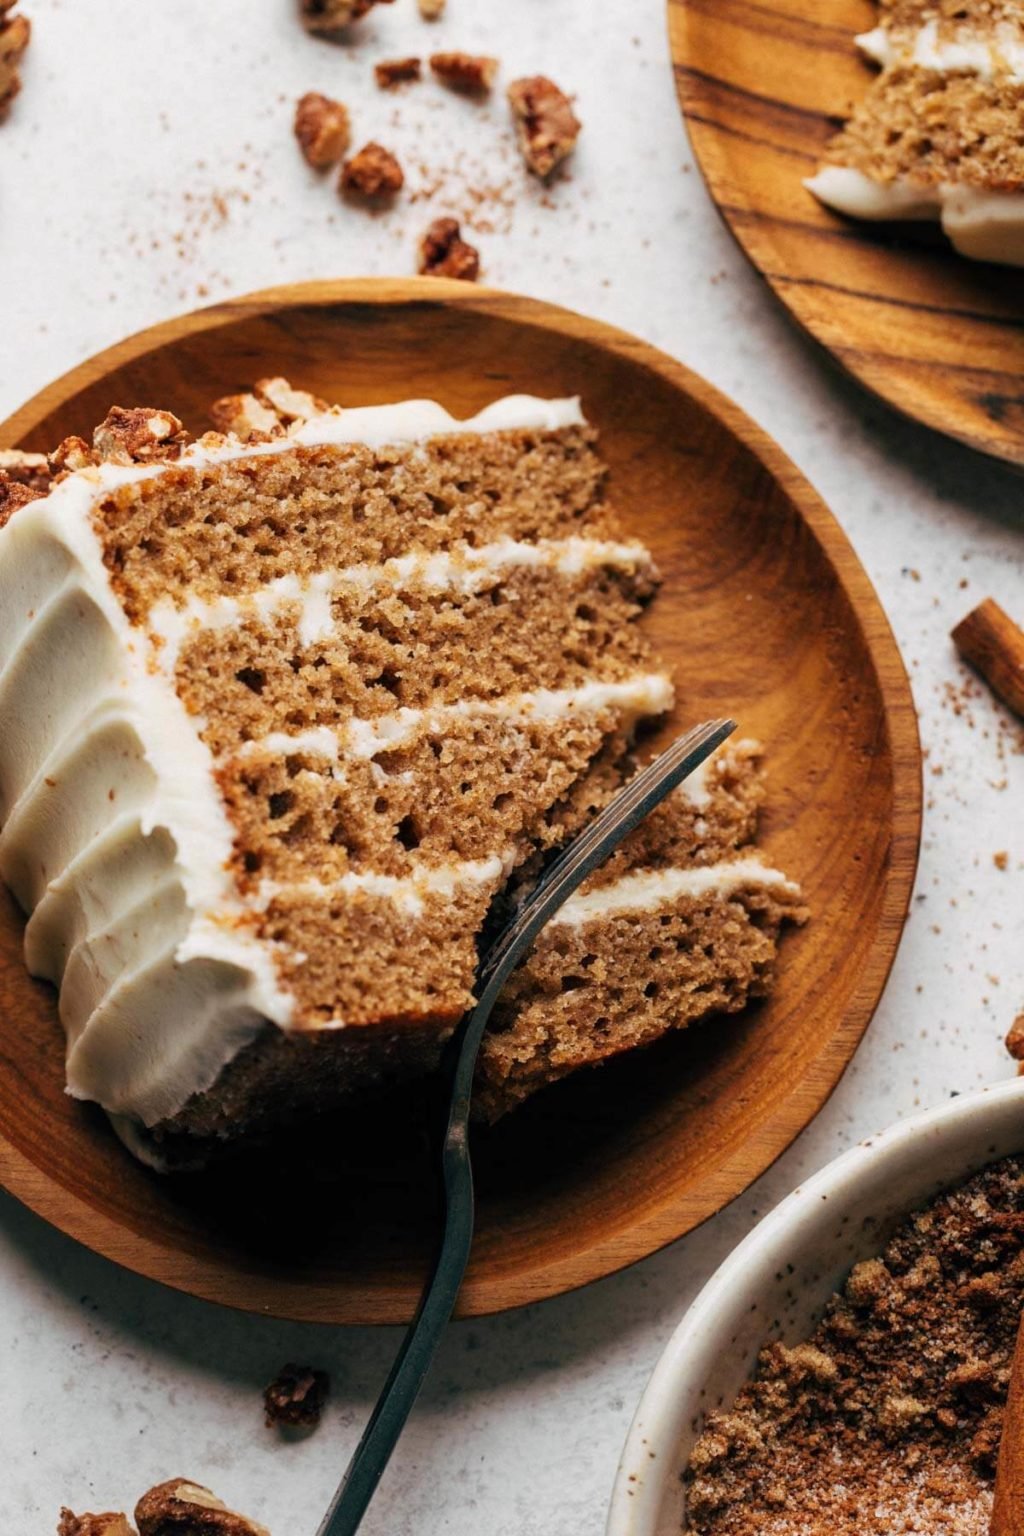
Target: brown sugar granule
[
  {"x": 108, "y": 1524},
  {"x": 183, "y": 1508},
  {"x": 15, "y": 35},
  {"x": 296, "y": 1396},
  {"x": 332, "y": 15},
  {"x": 888, "y": 1418},
  {"x": 444, "y": 253},
  {"x": 373, "y": 172},
  {"x": 432, "y": 10},
  {"x": 470, "y": 72},
  {"x": 322, "y": 129},
  {"x": 391, "y": 72},
  {"x": 546, "y": 125}
]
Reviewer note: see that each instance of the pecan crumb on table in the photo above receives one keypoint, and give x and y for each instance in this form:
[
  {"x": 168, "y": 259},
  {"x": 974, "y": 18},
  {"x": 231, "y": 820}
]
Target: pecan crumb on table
[
  {"x": 15, "y": 34},
  {"x": 432, "y": 10},
  {"x": 295, "y": 1398},
  {"x": 546, "y": 125},
  {"x": 332, "y": 15},
  {"x": 322, "y": 129},
  {"x": 470, "y": 72},
  {"x": 444, "y": 253},
  {"x": 391, "y": 72},
  {"x": 373, "y": 172}
]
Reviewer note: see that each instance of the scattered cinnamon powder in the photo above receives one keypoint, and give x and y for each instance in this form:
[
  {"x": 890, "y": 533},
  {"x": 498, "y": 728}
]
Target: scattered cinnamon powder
[{"x": 888, "y": 1418}]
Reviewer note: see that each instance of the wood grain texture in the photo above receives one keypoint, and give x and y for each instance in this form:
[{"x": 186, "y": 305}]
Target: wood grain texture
[
  {"x": 765, "y": 613},
  {"x": 763, "y": 85}
]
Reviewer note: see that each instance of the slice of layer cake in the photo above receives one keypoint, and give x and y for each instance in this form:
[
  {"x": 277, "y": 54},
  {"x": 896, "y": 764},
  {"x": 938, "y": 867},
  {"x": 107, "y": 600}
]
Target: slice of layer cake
[
  {"x": 940, "y": 133},
  {"x": 282, "y": 713}
]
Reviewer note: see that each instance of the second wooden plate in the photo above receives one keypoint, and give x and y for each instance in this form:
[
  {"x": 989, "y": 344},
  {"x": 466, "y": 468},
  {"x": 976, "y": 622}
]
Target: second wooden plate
[
  {"x": 763, "y": 87},
  {"x": 764, "y": 613}
]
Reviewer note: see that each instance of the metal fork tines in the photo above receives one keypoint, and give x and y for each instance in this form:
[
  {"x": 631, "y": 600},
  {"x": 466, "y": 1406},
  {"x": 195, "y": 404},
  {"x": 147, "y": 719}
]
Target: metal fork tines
[{"x": 583, "y": 855}]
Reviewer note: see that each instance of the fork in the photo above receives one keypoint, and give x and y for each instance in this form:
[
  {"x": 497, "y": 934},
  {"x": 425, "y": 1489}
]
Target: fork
[{"x": 583, "y": 855}]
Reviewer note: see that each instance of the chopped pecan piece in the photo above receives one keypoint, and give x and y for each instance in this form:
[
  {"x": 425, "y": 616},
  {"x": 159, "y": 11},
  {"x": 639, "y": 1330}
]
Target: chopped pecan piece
[
  {"x": 15, "y": 34},
  {"x": 288, "y": 403},
  {"x": 14, "y": 495},
  {"x": 444, "y": 253},
  {"x": 1015, "y": 1038},
  {"x": 373, "y": 172},
  {"x": 181, "y": 1508},
  {"x": 391, "y": 72},
  {"x": 332, "y": 15},
  {"x": 432, "y": 10},
  {"x": 72, "y": 453},
  {"x": 546, "y": 125},
  {"x": 321, "y": 127},
  {"x": 296, "y": 1396},
  {"x": 93, "y": 1525},
  {"x": 138, "y": 436},
  {"x": 244, "y": 416},
  {"x": 31, "y": 469},
  {"x": 470, "y": 72}
]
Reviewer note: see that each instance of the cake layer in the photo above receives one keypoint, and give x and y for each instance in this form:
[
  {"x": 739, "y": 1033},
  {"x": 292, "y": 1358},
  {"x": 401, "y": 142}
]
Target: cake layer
[
  {"x": 377, "y": 649},
  {"x": 622, "y": 964},
  {"x": 458, "y": 783},
  {"x": 236, "y": 524}
]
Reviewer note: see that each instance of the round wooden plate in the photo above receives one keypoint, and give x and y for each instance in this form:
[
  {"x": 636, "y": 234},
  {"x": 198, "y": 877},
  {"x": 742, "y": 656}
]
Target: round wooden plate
[
  {"x": 764, "y": 613},
  {"x": 763, "y": 87}
]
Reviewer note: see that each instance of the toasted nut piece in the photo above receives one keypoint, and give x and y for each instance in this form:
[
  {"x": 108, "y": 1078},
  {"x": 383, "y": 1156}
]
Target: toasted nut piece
[
  {"x": 391, "y": 72},
  {"x": 31, "y": 469},
  {"x": 332, "y": 15},
  {"x": 15, "y": 35},
  {"x": 289, "y": 404},
  {"x": 244, "y": 416},
  {"x": 93, "y": 1525},
  {"x": 181, "y": 1508},
  {"x": 470, "y": 72},
  {"x": 13, "y": 496},
  {"x": 139, "y": 435},
  {"x": 1015, "y": 1038},
  {"x": 296, "y": 1396},
  {"x": 322, "y": 129},
  {"x": 373, "y": 172},
  {"x": 444, "y": 253},
  {"x": 72, "y": 453},
  {"x": 432, "y": 10},
  {"x": 546, "y": 125}
]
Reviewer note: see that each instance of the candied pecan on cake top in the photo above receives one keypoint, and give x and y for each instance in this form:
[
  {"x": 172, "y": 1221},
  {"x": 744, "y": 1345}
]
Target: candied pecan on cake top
[
  {"x": 373, "y": 172},
  {"x": 546, "y": 125},
  {"x": 444, "y": 253},
  {"x": 183, "y": 1508},
  {"x": 470, "y": 72},
  {"x": 108, "y": 1524},
  {"x": 391, "y": 72},
  {"x": 244, "y": 416},
  {"x": 13, "y": 495},
  {"x": 15, "y": 34},
  {"x": 332, "y": 15},
  {"x": 322, "y": 129},
  {"x": 295, "y": 1398},
  {"x": 31, "y": 469},
  {"x": 138, "y": 435}
]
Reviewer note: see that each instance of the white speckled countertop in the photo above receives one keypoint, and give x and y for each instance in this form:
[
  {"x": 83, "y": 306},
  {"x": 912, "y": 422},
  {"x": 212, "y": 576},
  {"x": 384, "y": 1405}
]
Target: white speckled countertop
[{"x": 148, "y": 165}]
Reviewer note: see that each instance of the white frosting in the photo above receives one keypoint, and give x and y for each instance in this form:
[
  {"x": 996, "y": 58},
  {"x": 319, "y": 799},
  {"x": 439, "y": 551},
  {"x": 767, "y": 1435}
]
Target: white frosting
[
  {"x": 988, "y": 226},
  {"x": 114, "y": 836},
  {"x": 997, "y": 52},
  {"x": 406, "y": 891},
  {"x": 646, "y": 890}
]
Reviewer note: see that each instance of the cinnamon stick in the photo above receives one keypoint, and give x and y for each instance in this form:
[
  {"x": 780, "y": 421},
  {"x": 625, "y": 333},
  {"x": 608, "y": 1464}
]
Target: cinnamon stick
[
  {"x": 1008, "y": 1509},
  {"x": 994, "y": 645}
]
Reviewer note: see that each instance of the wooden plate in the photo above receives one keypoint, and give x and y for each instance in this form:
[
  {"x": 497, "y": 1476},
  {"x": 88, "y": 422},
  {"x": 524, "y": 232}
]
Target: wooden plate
[
  {"x": 765, "y": 612},
  {"x": 763, "y": 86}
]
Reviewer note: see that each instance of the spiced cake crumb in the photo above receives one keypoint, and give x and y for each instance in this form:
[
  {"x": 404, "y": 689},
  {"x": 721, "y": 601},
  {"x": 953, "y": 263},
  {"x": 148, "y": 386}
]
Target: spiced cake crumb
[
  {"x": 469, "y": 72},
  {"x": 322, "y": 129},
  {"x": 295, "y": 1398},
  {"x": 15, "y": 35},
  {"x": 888, "y": 1417},
  {"x": 444, "y": 253},
  {"x": 333, "y": 15},
  {"x": 391, "y": 72},
  {"x": 374, "y": 173},
  {"x": 546, "y": 125}
]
